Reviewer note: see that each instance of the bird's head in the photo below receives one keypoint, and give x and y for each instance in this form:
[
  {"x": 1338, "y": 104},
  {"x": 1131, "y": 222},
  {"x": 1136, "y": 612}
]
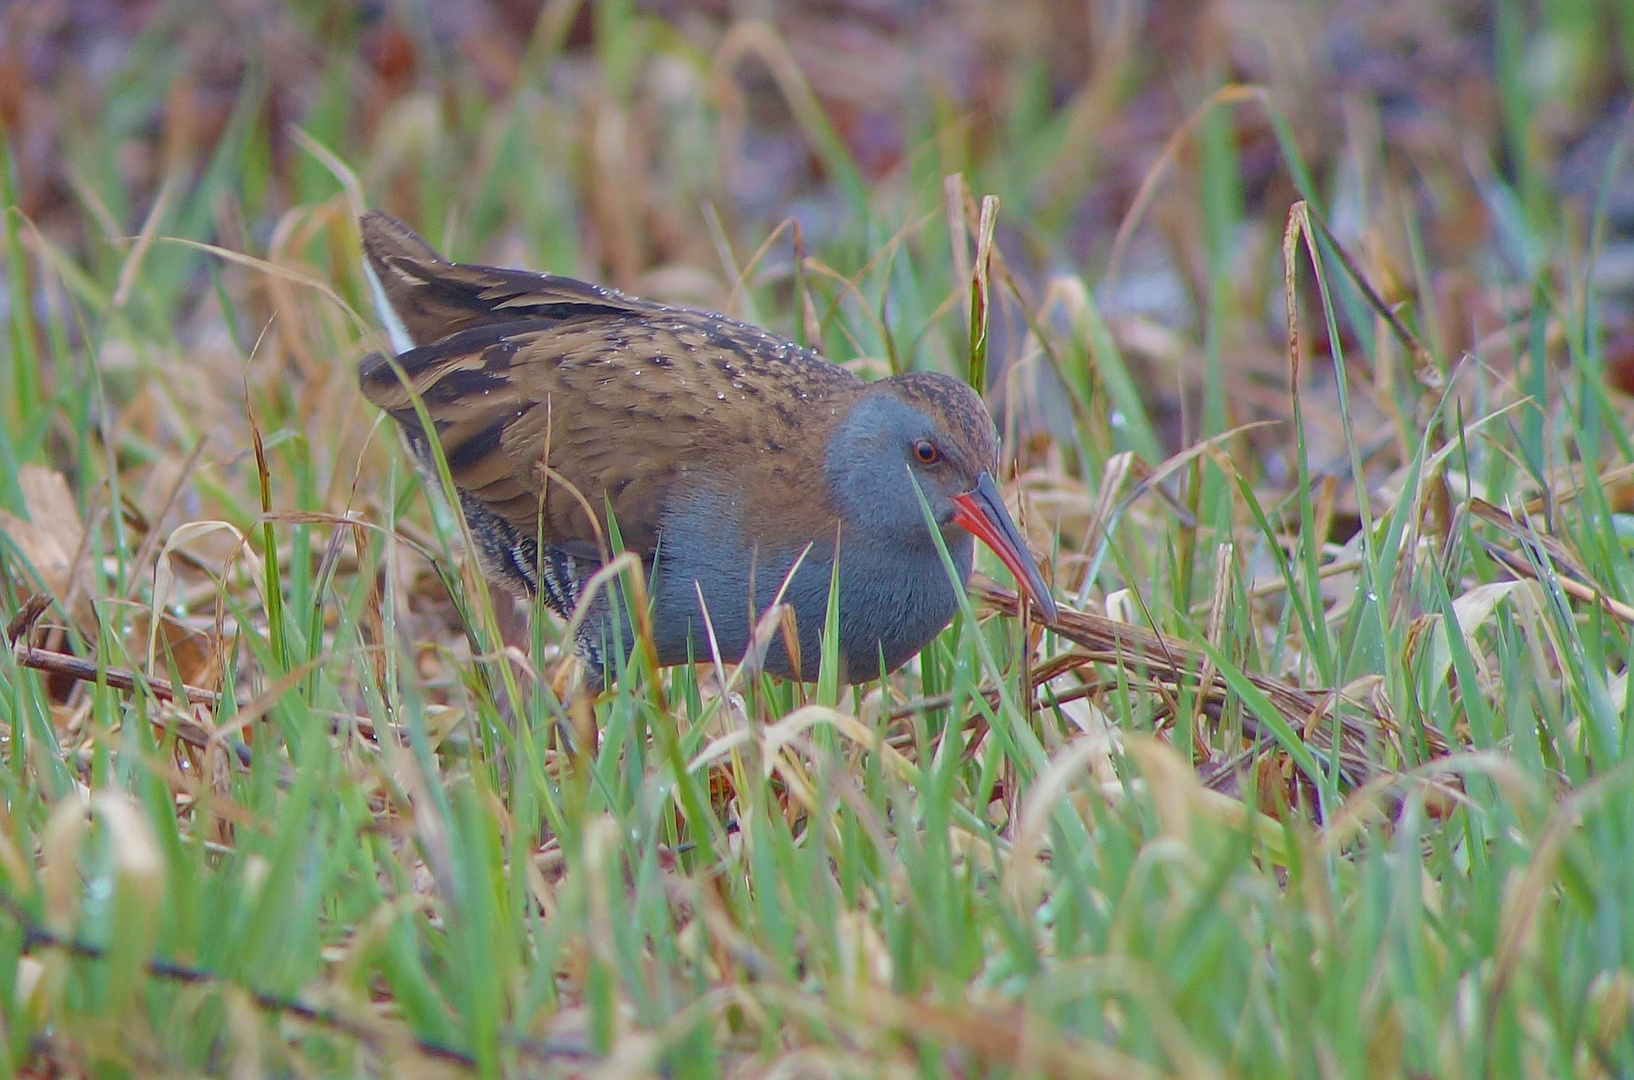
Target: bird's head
[{"x": 923, "y": 433}]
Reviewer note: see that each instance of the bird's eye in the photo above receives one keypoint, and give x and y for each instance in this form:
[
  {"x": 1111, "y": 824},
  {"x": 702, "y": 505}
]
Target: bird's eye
[{"x": 925, "y": 452}]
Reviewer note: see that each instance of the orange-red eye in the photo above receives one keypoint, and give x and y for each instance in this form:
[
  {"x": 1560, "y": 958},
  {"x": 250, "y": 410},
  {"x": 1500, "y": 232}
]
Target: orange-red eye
[{"x": 925, "y": 451}]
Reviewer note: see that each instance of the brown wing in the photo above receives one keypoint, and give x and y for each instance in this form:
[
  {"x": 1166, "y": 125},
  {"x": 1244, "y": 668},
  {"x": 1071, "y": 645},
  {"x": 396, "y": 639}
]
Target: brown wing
[
  {"x": 434, "y": 298},
  {"x": 620, "y": 396}
]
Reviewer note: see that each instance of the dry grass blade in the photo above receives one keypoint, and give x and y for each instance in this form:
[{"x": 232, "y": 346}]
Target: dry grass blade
[
  {"x": 1574, "y": 582},
  {"x": 1173, "y": 664},
  {"x": 83, "y": 670}
]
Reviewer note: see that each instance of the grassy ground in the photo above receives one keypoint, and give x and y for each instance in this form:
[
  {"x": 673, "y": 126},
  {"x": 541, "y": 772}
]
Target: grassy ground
[{"x": 1330, "y": 777}]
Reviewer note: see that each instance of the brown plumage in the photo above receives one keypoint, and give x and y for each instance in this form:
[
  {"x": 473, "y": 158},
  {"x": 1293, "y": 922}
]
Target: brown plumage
[
  {"x": 671, "y": 382},
  {"x": 677, "y": 421}
]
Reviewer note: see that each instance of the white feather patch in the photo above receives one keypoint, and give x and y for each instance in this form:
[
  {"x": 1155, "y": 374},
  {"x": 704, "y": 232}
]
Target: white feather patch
[{"x": 395, "y": 330}]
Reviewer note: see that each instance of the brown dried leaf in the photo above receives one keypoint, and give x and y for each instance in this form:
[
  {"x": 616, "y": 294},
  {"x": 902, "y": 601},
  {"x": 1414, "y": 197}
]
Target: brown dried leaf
[{"x": 52, "y": 535}]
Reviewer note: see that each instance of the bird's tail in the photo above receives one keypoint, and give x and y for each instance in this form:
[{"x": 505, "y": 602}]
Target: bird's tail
[{"x": 422, "y": 298}]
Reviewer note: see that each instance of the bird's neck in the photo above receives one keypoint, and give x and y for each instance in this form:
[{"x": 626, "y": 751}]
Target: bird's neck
[{"x": 890, "y": 593}]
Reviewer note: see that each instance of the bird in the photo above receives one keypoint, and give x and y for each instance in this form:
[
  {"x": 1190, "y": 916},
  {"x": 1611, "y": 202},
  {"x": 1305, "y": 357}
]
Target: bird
[{"x": 737, "y": 465}]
